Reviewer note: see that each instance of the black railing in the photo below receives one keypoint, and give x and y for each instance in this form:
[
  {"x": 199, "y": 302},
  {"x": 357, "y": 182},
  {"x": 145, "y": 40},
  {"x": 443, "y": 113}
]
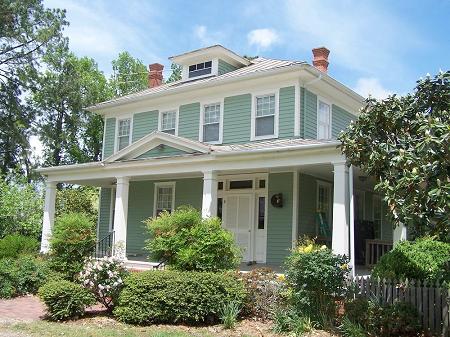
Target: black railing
[{"x": 104, "y": 247}]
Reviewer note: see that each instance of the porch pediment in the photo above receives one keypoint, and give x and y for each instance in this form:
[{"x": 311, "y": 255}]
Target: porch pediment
[{"x": 158, "y": 144}]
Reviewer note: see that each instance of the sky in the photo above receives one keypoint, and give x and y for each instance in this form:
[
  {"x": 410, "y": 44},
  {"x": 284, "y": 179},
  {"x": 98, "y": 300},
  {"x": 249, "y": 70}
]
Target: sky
[{"x": 378, "y": 47}]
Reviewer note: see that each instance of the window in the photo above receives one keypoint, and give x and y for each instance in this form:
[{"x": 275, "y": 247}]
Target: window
[
  {"x": 377, "y": 216},
  {"x": 211, "y": 123},
  {"x": 123, "y": 133},
  {"x": 265, "y": 116},
  {"x": 168, "y": 122},
  {"x": 239, "y": 184},
  {"x": 261, "y": 212},
  {"x": 324, "y": 201},
  {"x": 200, "y": 69},
  {"x": 219, "y": 208},
  {"x": 164, "y": 197},
  {"x": 323, "y": 120}
]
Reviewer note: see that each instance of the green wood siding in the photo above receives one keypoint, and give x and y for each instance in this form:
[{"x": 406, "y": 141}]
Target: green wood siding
[
  {"x": 307, "y": 188},
  {"x": 225, "y": 67},
  {"x": 140, "y": 207},
  {"x": 236, "y": 119},
  {"x": 279, "y": 220},
  {"x": 308, "y": 115},
  {"x": 286, "y": 119},
  {"x": 109, "y": 138},
  {"x": 104, "y": 212},
  {"x": 340, "y": 119},
  {"x": 144, "y": 123},
  {"x": 189, "y": 122},
  {"x": 164, "y": 151}
]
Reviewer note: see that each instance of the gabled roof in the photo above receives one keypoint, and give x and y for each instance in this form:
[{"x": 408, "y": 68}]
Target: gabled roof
[
  {"x": 154, "y": 140},
  {"x": 211, "y": 51}
]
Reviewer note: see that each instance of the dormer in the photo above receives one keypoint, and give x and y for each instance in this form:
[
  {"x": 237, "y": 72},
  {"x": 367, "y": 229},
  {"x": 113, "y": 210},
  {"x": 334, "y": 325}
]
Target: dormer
[{"x": 210, "y": 61}]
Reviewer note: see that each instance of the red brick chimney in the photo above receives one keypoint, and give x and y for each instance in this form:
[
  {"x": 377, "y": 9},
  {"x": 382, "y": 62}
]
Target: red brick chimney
[
  {"x": 320, "y": 60},
  {"x": 155, "y": 76}
]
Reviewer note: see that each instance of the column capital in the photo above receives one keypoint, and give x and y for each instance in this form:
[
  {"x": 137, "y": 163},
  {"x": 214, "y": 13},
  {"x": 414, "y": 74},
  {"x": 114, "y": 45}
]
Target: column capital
[
  {"x": 51, "y": 184},
  {"x": 209, "y": 175},
  {"x": 339, "y": 163},
  {"x": 122, "y": 180}
]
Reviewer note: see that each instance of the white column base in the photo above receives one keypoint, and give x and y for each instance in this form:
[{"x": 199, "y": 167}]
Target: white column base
[{"x": 49, "y": 215}]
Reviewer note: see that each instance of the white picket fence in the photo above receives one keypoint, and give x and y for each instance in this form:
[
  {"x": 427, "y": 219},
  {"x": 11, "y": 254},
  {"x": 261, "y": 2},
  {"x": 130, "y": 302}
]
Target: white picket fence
[{"x": 431, "y": 300}]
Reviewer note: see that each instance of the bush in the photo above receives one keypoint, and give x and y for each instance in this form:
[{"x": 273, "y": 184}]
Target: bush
[
  {"x": 15, "y": 245},
  {"x": 20, "y": 209},
  {"x": 317, "y": 277},
  {"x": 81, "y": 199},
  {"x": 174, "y": 296},
  {"x": 289, "y": 321},
  {"x": 349, "y": 328},
  {"x": 187, "y": 242},
  {"x": 65, "y": 299},
  {"x": 104, "y": 277},
  {"x": 264, "y": 293},
  {"x": 73, "y": 240},
  {"x": 423, "y": 259},
  {"x": 22, "y": 276}
]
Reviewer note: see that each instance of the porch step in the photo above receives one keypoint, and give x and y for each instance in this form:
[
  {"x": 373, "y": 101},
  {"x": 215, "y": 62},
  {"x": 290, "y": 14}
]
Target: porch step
[{"x": 139, "y": 265}]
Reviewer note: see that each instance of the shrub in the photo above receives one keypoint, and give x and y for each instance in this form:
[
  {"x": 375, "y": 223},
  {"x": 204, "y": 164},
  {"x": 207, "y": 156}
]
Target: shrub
[
  {"x": 289, "y": 321},
  {"x": 349, "y": 328},
  {"x": 317, "y": 277},
  {"x": 104, "y": 277},
  {"x": 229, "y": 314},
  {"x": 22, "y": 276},
  {"x": 81, "y": 199},
  {"x": 264, "y": 293},
  {"x": 174, "y": 296},
  {"x": 65, "y": 299},
  {"x": 72, "y": 241},
  {"x": 15, "y": 245},
  {"x": 423, "y": 259},
  {"x": 187, "y": 242}
]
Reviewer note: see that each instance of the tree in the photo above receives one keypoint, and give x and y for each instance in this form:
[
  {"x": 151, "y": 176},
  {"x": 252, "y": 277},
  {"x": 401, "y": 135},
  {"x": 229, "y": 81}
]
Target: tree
[
  {"x": 176, "y": 73},
  {"x": 129, "y": 75},
  {"x": 404, "y": 143}
]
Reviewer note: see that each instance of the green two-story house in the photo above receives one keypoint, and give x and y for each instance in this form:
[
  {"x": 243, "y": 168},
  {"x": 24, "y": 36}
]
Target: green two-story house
[{"x": 250, "y": 141}]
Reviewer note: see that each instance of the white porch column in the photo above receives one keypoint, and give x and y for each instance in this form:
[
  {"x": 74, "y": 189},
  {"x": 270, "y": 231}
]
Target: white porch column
[
  {"x": 49, "y": 215},
  {"x": 352, "y": 221},
  {"x": 209, "y": 201},
  {"x": 399, "y": 233},
  {"x": 340, "y": 210},
  {"x": 120, "y": 217}
]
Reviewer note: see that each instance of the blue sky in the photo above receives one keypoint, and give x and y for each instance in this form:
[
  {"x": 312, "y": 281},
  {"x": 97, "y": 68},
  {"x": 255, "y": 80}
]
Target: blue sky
[{"x": 379, "y": 47}]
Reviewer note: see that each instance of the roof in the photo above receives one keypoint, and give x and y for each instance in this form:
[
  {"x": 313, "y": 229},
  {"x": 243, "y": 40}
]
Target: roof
[
  {"x": 259, "y": 65},
  {"x": 216, "y": 50}
]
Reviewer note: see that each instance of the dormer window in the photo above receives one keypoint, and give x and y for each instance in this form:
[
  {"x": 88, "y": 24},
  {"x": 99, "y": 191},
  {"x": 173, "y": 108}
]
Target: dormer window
[{"x": 200, "y": 69}]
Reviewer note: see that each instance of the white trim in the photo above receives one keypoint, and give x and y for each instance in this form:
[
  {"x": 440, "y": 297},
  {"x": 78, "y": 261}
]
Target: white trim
[
  {"x": 177, "y": 117},
  {"x": 330, "y": 199},
  {"x": 297, "y": 106},
  {"x": 255, "y": 95},
  {"x": 330, "y": 128},
  {"x": 116, "y": 131},
  {"x": 352, "y": 222},
  {"x": 155, "y": 193},
  {"x": 202, "y": 118},
  {"x": 104, "y": 137},
  {"x": 295, "y": 206},
  {"x": 111, "y": 209}
]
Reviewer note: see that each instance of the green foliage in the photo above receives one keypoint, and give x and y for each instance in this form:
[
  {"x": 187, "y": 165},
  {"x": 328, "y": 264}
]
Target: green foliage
[
  {"x": 130, "y": 75},
  {"x": 188, "y": 242},
  {"x": 349, "y": 328},
  {"x": 289, "y": 321},
  {"x": 21, "y": 276},
  {"x": 65, "y": 299},
  {"x": 104, "y": 277},
  {"x": 174, "y": 296},
  {"x": 264, "y": 293},
  {"x": 81, "y": 199},
  {"x": 20, "y": 209},
  {"x": 72, "y": 241},
  {"x": 317, "y": 277},
  {"x": 15, "y": 245},
  {"x": 404, "y": 143},
  {"x": 423, "y": 259},
  {"x": 176, "y": 73},
  {"x": 229, "y": 313}
]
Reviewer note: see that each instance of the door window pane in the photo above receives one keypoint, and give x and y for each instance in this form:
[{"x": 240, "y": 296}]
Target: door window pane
[
  {"x": 261, "y": 212},
  {"x": 219, "y": 208},
  {"x": 238, "y": 184}
]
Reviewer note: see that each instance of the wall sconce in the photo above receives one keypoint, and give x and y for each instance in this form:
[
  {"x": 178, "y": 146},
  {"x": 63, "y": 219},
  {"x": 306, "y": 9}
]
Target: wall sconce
[{"x": 277, "y": 200}]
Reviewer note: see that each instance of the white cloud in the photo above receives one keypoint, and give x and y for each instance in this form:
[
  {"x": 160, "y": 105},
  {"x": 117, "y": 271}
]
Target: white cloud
[
  {"x": 36, "y": 146},
  {"x": 371, "y": 86},
  {"x": 207, "y": 37},
  {"x": 263, "y": 38}
]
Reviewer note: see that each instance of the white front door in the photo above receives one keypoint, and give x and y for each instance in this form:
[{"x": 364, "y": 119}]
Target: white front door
[{"x": 238, "y": 218}]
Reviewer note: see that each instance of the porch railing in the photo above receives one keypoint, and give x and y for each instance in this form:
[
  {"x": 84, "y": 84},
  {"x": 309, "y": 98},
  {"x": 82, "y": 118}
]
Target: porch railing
[
  {"x": 104, "y": 247},
  {"x": 375, "y": 249}
]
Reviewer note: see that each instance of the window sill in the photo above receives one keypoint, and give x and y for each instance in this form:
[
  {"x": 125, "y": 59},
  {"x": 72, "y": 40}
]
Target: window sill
[{"x": 264, "y": 137}]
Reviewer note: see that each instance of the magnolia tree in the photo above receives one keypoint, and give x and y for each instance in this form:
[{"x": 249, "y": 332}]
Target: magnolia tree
[{"x": 404, "y": 143}]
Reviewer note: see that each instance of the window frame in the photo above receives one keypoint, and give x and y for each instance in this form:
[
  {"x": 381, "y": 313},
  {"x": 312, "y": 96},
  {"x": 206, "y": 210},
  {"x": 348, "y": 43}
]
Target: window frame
[
  {"x": 160, "y": 114},
  {"x": 202, "y": 119},
  {"x": 116, "y": 132},
  {"x": 319, "y": 184},
  {"x": 157, "y": 185},
  {"x": 255, "y": 96},
  {"x": 202, "y": 75},
  {"x": 330, "y": 127}
]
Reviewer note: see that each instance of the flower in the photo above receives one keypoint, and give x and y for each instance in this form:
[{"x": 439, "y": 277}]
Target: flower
[
  {"x": 344, "y": 266},
  {"x": 308, "y": 248}
]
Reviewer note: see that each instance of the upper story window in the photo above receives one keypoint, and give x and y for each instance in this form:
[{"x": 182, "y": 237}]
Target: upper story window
[
  {"x": 168, "y": 122},
  {"x": 123, "y": 133},
  {"x": 200, "y": 69},
  {"x": 265, "y": 116},
  {"x": 323, "y": 120},
  {"x": 211, "y": 123}
]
